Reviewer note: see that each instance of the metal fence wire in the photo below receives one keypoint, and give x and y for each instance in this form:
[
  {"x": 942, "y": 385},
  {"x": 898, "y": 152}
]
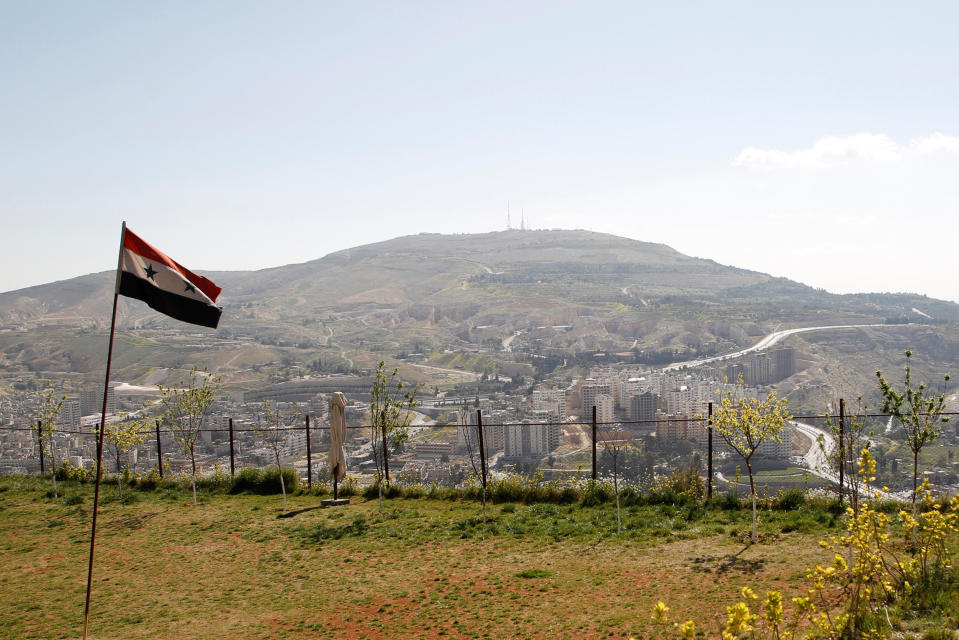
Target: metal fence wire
[{"x": 443, "y": 453}]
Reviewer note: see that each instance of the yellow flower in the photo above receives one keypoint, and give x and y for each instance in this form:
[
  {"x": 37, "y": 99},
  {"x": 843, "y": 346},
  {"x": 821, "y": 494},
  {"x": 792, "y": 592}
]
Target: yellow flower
[
  {"x": 840, "y": 563},
  {"x": 659, "y": 612},
  {"x": 773, "y": 607},
  {"x": 749, "y": 593},
  {"x": 688, "y": 629},
  {"x": 739, "y": 619}
]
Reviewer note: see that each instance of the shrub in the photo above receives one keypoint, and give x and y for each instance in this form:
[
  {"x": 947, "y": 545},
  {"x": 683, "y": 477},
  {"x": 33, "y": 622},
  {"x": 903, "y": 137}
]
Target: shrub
[
  {"x": 414, "y": 491},
  {"x": 151, "y": 481},
  {"x": 67, "y": 471},
  {"x": 850, "y": 597},
  {"x": 371, "y": 491},
  {"x": 729, "y": 502},
  {"x": 685, "y": 482},
  {"x": 394, "y": 491},
  {"x": 596, "y": 493},
  {"x": 790, "y": 500},
  {"x": 263, "y": 482},
  {"x": 568, "y": 495},
  {"x": 347, "y": 488},
  {"x": 508, "y": 489}
]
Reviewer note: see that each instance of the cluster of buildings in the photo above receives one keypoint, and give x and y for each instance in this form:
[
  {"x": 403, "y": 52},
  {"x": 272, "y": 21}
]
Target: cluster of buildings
[
  {"x": 519, "y": 430},
  {"x": 74, "y": 439}
]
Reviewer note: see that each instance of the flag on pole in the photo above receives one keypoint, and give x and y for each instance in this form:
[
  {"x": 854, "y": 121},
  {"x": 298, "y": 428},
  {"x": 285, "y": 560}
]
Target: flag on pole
[{"x": 148, "y": 275}]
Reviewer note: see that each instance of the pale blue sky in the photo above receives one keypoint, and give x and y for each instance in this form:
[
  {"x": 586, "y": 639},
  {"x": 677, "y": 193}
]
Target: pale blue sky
[{"x": 807, "y": 141}]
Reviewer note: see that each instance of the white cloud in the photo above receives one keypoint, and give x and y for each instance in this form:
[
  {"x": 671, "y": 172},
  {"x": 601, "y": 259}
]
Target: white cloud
[
  {"x": 861, "y": 149},
  {"x": 935, "y": 143}
]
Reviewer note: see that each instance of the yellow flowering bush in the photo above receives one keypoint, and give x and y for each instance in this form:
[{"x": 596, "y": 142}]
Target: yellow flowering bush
[{"x": 869, "y": 571}]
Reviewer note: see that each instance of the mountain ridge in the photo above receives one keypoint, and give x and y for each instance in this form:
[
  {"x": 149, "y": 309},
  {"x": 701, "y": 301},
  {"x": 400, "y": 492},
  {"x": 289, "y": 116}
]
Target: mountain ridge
[{"x": 471, "y": 293}]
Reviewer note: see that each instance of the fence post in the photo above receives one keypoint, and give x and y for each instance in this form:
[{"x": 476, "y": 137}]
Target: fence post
[
  {"x": 709, "y": 464},
  {"x": 232, "y": 458},
  {"x": 594, "y": 442},
  {"x": 159, "y": 451},
  {"x": 482, "y": 444},
  {"x": 43, "y": 468},
  {"x": 309, "y": 454},
  {"x": 842, "y": 446}
]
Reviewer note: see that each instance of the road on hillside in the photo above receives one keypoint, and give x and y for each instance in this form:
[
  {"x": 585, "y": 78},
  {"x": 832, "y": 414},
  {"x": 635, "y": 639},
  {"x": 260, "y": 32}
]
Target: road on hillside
[
  {"x": 508, "y": 341},
  {"x": 462, "y": 373},
  {"x": 775, "y": 337},
  {"x": 816, "y": 459}
]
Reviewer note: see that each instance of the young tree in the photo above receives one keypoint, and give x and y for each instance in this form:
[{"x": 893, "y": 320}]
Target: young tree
[
  {"x": 847, "y": 446},
  {"x": 745, "y": 424},
  {"x": 919, "y": 413},
  {"x": 123, "y": 436},
  {"x": 185, "y": 410},
  {"x": 471, "y": 437},
  {"x": 48, "y": 409},
  {"x": 271, "y": 426},
  {"x": 615, "y": 442},
  {"x": 390, "y": 416}
]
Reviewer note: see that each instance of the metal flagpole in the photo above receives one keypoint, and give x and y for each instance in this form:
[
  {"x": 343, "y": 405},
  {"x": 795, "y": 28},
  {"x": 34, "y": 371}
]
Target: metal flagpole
[{"x": 103, "y": 421}]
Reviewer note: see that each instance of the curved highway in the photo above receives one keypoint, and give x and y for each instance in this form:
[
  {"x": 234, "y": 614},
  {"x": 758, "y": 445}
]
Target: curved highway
[{"x": 773, "y": 338}]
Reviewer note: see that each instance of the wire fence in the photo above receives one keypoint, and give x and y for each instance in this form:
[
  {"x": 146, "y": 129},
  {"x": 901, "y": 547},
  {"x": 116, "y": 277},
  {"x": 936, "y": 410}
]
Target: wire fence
[{"x": 474, "y": 447}]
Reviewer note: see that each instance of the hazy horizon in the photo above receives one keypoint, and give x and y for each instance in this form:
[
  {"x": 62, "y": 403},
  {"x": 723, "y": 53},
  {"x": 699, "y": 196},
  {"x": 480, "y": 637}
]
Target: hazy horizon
[{"x": 818, "y": 143}]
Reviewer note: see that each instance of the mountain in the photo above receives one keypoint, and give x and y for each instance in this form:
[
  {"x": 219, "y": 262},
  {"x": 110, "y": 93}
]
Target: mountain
[{"x": 509, "y": 301}]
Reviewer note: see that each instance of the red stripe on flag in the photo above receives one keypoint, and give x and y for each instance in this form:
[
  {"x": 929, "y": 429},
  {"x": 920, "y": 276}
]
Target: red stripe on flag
[{"x": 137, "y": 245}]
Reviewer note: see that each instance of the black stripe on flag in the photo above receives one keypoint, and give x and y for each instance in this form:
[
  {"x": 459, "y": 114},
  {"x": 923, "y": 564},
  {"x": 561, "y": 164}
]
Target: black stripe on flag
[{"x": 173, "y": 305}]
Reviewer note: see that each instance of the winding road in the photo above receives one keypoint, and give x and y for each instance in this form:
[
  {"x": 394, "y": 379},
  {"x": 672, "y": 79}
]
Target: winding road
[
  {"x": 816, "y": 458},
  {"x": 775, "y": 337}
]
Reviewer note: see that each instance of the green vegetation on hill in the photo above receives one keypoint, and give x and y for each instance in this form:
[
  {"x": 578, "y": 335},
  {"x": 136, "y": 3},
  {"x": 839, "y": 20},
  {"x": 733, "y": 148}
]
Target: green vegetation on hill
[{"x": 564, "y": 295}]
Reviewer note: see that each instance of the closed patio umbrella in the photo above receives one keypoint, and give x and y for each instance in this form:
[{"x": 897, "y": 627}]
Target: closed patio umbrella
[{"x": 337, "y": 457}]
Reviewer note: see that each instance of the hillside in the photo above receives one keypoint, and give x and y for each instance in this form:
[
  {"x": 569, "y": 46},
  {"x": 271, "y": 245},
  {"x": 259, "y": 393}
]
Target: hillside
[{"x": 515, "y": 297}]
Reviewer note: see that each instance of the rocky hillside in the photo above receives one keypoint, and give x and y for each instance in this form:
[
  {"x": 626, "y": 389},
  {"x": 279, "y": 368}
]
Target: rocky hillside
[{"x": 514, "y": 297}]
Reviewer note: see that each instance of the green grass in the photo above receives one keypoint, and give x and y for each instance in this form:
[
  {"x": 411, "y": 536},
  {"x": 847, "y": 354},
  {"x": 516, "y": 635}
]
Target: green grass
[{"x": 236, "y": 566}]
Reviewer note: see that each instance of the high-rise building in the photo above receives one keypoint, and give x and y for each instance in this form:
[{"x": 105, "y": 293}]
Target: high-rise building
[
  {"x": 697, "y": 433},
  {"x": 679, "y": 400},
  {"x": 784, "y": 362},
  {"x": 467, "y": 436},
  {"x": 769, "y": 448},
  {"x": 643, "y": 406},
  {"x": 552, "y": 400},
  {"x": 91, "y": 401},
  {"x": 591, "y": 389},
  {"x": 604, "y": 408},
  {"x": 670, "y": 428},
  {"x": 758, "y": 370},
  {"x": 734, "y": 371},
  {"x": 69, "y": 416},
  {"x": 529, "y": 440}
]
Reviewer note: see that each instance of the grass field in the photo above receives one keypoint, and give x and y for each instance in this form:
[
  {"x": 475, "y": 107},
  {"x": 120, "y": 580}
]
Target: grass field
[{"x": 236, "y": 567}]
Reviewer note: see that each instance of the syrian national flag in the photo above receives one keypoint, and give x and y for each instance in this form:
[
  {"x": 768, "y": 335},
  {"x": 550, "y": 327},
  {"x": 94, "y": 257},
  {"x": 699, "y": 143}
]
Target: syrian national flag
[{"x": 148, "y": 275}]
